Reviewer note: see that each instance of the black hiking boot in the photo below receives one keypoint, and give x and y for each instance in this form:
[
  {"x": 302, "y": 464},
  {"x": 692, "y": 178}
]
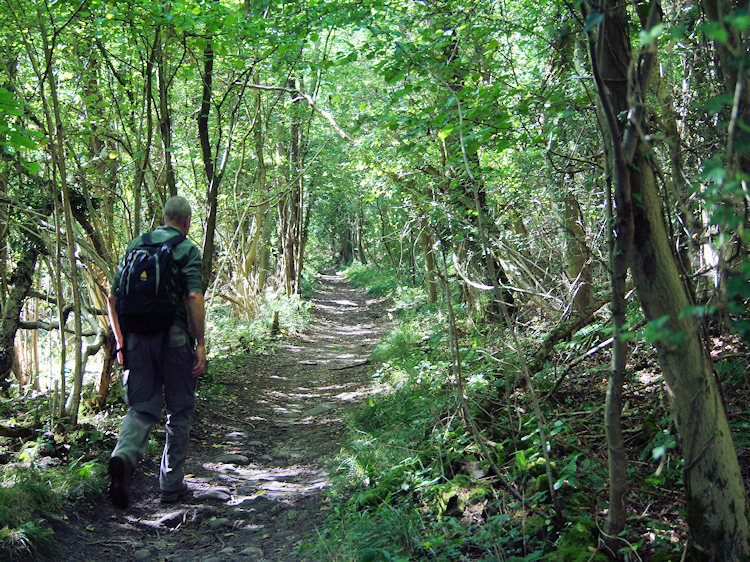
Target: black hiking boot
[
  {"x": 175, "y": 495},
  {"x": 120, "y": 472}
]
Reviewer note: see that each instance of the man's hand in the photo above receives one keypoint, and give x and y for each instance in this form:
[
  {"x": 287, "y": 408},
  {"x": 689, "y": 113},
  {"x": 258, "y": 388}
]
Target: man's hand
[
  {"x": 199, "y": 359},
  {"x": 114, "y": 322}
]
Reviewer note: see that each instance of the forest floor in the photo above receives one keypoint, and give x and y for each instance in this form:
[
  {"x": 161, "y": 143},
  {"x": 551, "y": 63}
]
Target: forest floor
[{"x": 262, "y": 447}]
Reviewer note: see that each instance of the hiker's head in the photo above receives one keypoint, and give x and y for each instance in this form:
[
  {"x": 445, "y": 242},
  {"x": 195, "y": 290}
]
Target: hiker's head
[{"x": 177, "y": 213}]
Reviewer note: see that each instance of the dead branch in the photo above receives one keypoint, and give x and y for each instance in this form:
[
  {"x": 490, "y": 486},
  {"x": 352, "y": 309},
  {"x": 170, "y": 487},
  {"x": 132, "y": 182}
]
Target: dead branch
[
  {"x": 16, "y": 432},
  {"x": 564, "y": 332},
  {"x": 352, "y": 366}
]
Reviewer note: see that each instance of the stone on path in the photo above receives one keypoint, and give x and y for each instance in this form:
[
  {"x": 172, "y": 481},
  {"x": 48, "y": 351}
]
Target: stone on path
[
  {"x": 233, "y": 458},
  {"x": 218, "y": 494},
  {"x": 219, "y": 523},
  {"x": 319, "y": 409},
  {"x": 248, "y": 489},
  {"x": 172, "y": 519}
]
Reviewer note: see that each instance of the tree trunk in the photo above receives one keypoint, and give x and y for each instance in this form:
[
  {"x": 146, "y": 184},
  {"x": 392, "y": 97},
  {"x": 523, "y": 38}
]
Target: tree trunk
[
  {"x": 716, "y": 502},
  {"x": 385, "y": 234},
  {"x": 576, "y": 253},
  {"x": 265, "y": 253},
  {"x": 10, "y": 315},
  {"x": 142, "y": 164},
  {"x": 361, "y": 235},
  {"x": 57, "y": 146},
  {"x": 261, "y": 176},
  {"x": 610, "y": 56},
  {"x": 429, "y": 261},
  {"x": 290, "y": 207},
  {"x": 212, "y": 178},
  {"x": 732, "y": 58},
  {"x": 167, "y": 177}
]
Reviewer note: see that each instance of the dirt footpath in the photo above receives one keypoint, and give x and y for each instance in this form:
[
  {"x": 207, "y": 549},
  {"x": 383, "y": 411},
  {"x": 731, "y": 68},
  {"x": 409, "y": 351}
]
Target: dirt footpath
[{"x": 261, "y": 449}]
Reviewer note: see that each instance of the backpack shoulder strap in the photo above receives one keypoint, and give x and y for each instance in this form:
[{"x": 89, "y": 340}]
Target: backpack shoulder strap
[
  {"x": 146, "y": 239},
  {"x": 176, "y": 239}
]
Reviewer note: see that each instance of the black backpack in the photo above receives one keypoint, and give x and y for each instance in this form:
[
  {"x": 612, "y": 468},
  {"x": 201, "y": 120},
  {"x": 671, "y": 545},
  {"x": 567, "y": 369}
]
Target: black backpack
[{"x": 146, "y": 302}]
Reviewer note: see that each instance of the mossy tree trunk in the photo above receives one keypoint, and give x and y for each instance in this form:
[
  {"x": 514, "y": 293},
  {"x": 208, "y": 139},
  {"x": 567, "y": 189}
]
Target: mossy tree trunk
[
  {"x": 716, "y": 501},
  {"x": 20, "y": 280},
  {"x": 576, "y": 253}
]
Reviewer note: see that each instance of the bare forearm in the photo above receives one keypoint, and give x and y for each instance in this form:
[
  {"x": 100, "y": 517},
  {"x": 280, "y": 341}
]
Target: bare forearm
[
  {"x": 114, "y": 321},
  {"x": 197, "y": 316}
]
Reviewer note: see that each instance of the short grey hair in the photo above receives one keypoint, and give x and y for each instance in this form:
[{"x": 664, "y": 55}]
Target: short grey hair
[{"x": 176, "y": 210}]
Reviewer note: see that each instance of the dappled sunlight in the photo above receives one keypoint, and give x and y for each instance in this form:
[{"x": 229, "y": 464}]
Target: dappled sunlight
[
  {"x": 292, "y": 395},
  {"x": 358, "y": 394},
  {"x": 259, "y": 443},
  {"x": 336, "y": 307},
  {"x": 649, "y": 377},
  {"x": 319, "y": 421}
]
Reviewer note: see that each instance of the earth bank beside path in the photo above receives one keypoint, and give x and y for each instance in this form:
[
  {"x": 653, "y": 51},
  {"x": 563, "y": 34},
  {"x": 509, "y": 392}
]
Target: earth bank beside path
[{"x": 265, "y": 433}]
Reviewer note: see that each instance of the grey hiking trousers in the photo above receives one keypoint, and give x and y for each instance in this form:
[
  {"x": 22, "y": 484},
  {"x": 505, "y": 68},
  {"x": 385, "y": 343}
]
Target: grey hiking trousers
[{"x": 158, "y": 366}]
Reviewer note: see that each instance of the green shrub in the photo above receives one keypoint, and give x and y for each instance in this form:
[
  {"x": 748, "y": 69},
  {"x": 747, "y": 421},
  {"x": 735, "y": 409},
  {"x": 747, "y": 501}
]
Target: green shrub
[
  {"x": 23, "y": 500},
  {"x": 578, "y": 542}
]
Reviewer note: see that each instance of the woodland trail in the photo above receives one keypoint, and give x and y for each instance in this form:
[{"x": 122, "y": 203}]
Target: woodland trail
[{"x": 261, "y": 448}]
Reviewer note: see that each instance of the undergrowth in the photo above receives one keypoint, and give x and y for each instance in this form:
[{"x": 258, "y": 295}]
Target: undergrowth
[
  {"x": 413, "y": 482},
  {"x": 226, "y": 333},
  {"x": 53, "y": 469}
]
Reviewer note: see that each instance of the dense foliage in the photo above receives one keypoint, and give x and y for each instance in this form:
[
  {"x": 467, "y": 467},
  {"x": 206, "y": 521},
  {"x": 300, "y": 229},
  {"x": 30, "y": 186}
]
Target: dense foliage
[{"x": 505, "y": 170}]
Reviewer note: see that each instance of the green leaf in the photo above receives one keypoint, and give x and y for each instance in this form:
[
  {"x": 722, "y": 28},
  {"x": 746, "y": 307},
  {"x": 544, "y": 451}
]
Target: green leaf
[
  {"x": 647, "y": 36},
  {"x": 19, "y": 140},
  {"x": 230, "y": 20},
  {"x": 445, "y": 132},
  {"x": 716, "y": 32},
  {"x": 698, "y": 311},
  {"x": 592, "y": 20},
  {"x": 739, "y": 21}
]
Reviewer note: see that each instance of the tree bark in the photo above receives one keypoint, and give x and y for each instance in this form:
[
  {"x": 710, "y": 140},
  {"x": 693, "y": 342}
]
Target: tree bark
[
  {"x": 430, "y": 265},
  {"x": 20, "y": 280},
  {"x": 610, "y": 56},
  {"x": 716, "y": 502},
  {"x": 208, "y": 163},
  {"x": 576, "y": 253},
  {"x": 361, "y": 235},
  {"x": 165, "y": 119},
  {"x": 54, "y": 123},
  {"x": 290, "y": 206}
]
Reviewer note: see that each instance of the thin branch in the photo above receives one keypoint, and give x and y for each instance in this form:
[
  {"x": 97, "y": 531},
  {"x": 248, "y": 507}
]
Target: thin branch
[{"x": 310, "y": 101}]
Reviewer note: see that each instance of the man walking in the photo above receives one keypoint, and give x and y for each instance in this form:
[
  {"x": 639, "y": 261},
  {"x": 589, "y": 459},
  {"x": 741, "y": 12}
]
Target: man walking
[{"x": 165, "y": 363}]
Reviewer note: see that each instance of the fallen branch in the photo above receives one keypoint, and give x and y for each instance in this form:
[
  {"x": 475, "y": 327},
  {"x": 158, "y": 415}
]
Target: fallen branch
[
  {"x": 566, "y": 369},
  {"x": 352, "y": 366},
  {"x": 16, "y": 432},
  {"x": 564, "y": 332}
]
